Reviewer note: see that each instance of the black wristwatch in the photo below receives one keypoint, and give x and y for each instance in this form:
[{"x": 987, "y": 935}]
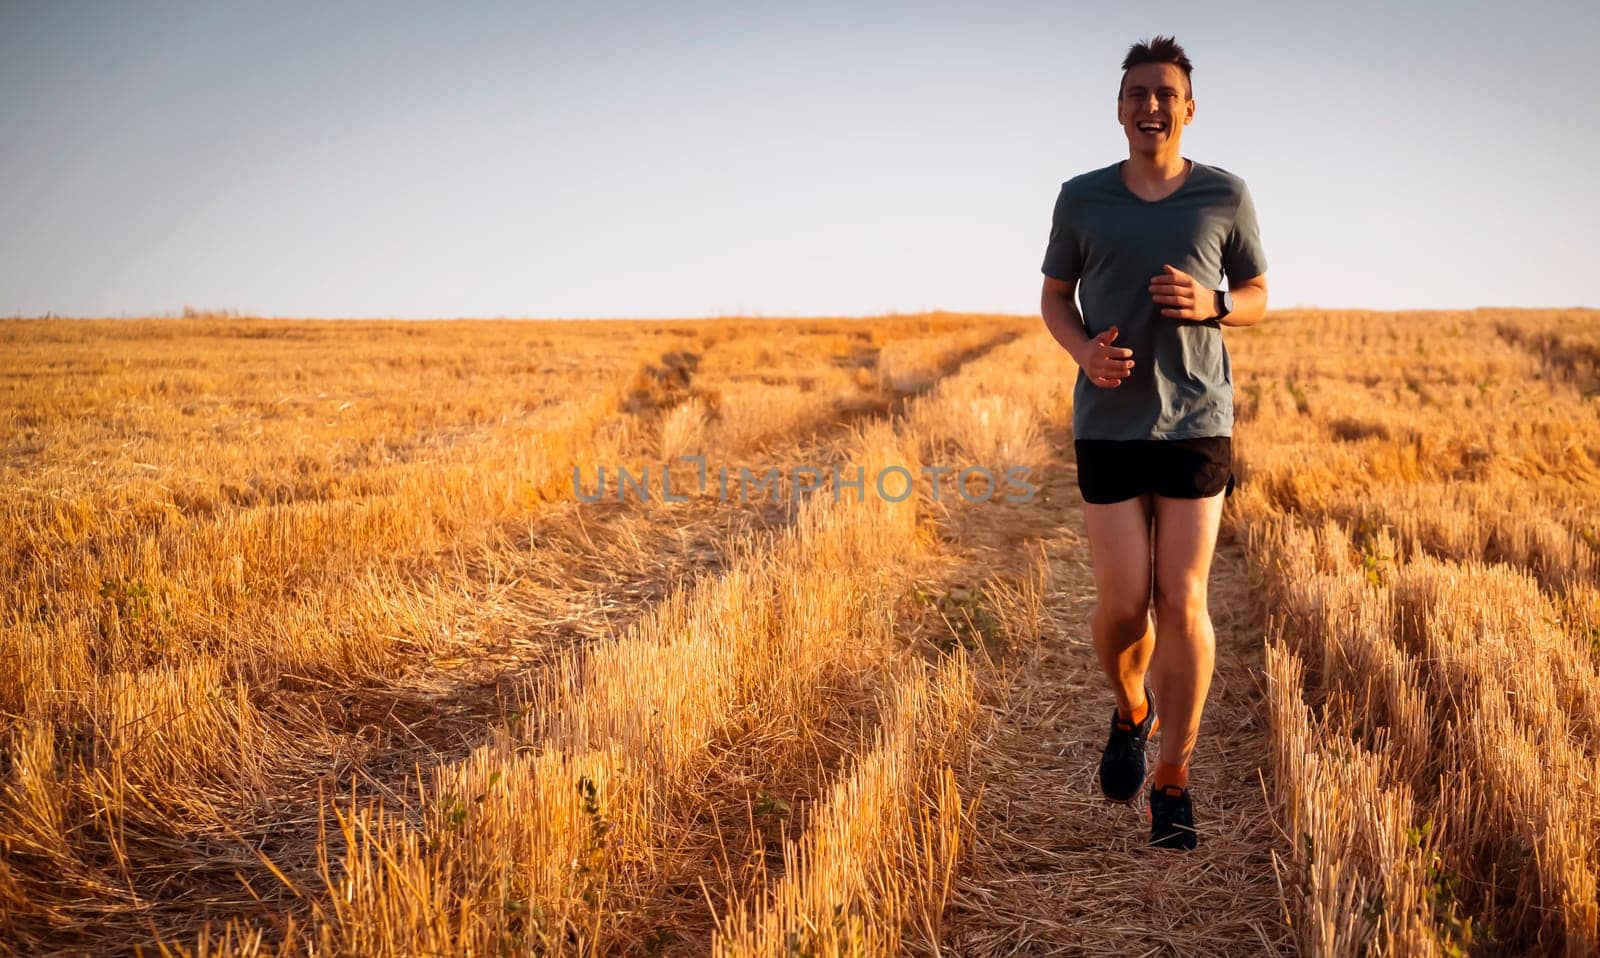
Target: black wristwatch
[{"x": 1224, "y": 303}]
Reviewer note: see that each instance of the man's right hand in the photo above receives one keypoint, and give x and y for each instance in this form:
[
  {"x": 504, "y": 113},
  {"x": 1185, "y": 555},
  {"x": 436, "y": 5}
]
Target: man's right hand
[{"x": 1105, "y": 365}]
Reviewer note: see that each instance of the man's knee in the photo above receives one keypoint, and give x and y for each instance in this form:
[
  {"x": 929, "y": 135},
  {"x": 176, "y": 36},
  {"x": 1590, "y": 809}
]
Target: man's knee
[
  {"x": 1124, "y": 614},
  {"x": 1182, "y": 601}
]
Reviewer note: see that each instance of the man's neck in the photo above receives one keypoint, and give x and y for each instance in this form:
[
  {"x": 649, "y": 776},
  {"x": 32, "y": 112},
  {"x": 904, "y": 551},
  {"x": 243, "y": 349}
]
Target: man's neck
[
  {"x": 1153, "y": 170},
  {"x": 1156, "y": 168}
]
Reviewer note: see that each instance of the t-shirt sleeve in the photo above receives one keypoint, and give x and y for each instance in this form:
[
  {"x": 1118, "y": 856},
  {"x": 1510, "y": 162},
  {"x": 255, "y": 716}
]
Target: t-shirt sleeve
[
  {"x": 1242, "y": 255},
  {"x": 1063, "y": 258}
]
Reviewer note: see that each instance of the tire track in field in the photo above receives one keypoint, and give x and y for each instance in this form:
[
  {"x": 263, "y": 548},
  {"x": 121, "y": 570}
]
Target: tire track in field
[
  {"x": 678, "y": 545},
  {"x": 1056, "y": 869}
]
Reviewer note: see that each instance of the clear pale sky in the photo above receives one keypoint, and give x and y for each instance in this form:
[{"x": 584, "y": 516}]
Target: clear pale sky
[{"x": 617, "y": 159}]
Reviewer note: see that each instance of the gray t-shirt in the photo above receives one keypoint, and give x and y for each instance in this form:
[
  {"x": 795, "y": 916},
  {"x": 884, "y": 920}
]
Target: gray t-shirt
[{"x": 1112, "y": 242}]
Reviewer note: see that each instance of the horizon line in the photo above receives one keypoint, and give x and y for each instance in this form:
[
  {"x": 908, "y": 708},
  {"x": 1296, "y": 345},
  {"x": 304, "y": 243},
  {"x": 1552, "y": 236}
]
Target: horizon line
[{"x": 236, "y": 315}]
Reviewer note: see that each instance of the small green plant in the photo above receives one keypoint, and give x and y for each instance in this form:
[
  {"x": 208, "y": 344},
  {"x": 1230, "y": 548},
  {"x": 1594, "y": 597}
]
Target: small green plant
[
  {"x": 590, "y": 793},
  {"x": 1376, "y": 564},
  {"x": 1453, "y": 933},
  {"x": 591, "y": 861},
  {"x": 131, "y": 620},
  {"x": 131, "y": 598},
  {"x": 456, "y": 809},
  {"x": 1302, "y": 405},
  {"x": 968, "y": 613},
  {"x": 768, "y": 805},
  {"x": 1303, "y": 872},
  {"x": 845, "y": 927}
]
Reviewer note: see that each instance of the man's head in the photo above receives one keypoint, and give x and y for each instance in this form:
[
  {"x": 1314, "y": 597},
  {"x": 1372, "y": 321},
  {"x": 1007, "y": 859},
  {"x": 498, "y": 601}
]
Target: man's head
[{"x": 1155, "y": 99}]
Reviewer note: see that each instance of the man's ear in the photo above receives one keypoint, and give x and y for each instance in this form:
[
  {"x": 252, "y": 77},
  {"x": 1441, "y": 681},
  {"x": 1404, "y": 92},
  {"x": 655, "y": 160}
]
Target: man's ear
[{"x": 1188, "y": 112}]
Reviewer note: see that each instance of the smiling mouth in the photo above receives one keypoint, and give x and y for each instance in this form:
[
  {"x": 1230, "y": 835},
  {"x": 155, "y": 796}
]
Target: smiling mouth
[{"x": 1152, "y": 126}]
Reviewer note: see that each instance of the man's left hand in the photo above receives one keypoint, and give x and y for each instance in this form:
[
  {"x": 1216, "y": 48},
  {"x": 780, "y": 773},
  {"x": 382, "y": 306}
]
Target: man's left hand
[{"x": 1182, "y": 297}]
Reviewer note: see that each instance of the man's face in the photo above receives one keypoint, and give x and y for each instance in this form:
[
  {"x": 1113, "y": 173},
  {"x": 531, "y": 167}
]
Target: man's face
[{"x": 1154, "y": 106}]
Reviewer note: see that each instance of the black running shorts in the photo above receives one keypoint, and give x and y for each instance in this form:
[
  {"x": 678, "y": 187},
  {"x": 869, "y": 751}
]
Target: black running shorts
[{"x": 1113, "y": 470}]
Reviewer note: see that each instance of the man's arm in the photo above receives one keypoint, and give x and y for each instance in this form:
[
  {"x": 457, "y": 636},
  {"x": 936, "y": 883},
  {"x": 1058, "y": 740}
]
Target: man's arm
[
  {"x": 1061, "y": 315},
  {"x": 1105, "y": 365},
  {"x": 1181, "y": 296},
  {"x": 1249, "y": 302}
]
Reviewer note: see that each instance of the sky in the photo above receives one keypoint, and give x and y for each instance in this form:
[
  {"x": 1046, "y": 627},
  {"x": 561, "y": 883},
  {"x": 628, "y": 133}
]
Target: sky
[{"x": 614, "y": 159}]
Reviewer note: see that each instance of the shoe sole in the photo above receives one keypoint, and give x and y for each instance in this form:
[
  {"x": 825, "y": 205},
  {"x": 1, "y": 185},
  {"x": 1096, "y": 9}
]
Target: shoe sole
[
  {"x": 1194, "y": 834},
  {"x": 1132, "y": 799},
  {"x": 1177, "y": 847}
]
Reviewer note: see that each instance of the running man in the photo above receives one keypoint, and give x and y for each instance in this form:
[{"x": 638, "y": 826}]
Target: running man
[{"x": 1146, "y": 243}]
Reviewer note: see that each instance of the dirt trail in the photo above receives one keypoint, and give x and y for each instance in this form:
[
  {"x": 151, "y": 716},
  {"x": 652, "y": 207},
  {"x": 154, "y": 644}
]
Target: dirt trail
[{"x": 1056, "y": 869}]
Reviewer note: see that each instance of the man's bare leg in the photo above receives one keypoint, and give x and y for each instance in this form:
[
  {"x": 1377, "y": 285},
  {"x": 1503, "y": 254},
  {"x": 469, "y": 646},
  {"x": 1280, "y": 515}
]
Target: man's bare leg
[
  {"x": 1119, "y": 547},
  {"x": 1185, "y": 648}
]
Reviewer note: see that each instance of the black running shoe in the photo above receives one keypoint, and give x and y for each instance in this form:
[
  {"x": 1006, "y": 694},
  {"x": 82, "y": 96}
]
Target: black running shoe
[
  {"x": 1122, "y": 765},
  {"x": 1172, "y": 818}
]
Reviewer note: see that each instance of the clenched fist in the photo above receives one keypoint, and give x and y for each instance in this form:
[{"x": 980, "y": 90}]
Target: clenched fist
[
  {"x": 1182, "y": 296},
  {"x": 1105, "y": 365}
]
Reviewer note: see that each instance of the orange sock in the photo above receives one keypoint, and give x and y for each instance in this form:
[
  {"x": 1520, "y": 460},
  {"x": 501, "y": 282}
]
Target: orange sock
[
  {"x": 1139, "y": 713},
  {"x": 1170, "y": 774}
]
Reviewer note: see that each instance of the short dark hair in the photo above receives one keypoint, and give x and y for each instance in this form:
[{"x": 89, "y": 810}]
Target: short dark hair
[{"x": 1157, "y": 50}]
